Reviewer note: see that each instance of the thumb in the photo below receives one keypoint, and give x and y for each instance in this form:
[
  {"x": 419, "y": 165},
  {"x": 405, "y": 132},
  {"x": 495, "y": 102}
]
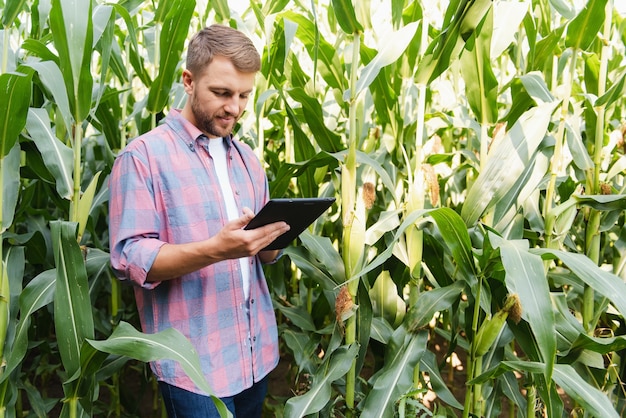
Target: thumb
[{"x": 245, "y": 218}]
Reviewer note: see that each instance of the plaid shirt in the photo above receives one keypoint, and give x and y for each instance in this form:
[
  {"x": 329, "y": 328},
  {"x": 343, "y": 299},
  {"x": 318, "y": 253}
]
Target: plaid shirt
[{"x": 164, "y": 189}]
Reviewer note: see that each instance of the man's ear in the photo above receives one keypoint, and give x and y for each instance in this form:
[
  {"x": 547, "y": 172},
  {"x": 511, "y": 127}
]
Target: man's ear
[{"x": 187, "y": 80}]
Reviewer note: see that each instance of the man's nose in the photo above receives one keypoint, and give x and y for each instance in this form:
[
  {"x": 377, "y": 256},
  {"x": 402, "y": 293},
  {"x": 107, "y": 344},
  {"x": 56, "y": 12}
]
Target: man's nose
[{"x": 233, "y": 105}]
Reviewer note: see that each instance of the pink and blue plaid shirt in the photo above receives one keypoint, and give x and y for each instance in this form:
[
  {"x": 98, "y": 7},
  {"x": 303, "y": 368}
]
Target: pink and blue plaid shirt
[{"x": 164, "y": 189}]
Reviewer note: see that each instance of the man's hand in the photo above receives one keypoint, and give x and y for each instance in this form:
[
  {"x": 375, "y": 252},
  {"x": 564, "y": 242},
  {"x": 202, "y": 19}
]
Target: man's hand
[
  {"x": 232, "y": 241},
  {"x": 239, "y": 242}
]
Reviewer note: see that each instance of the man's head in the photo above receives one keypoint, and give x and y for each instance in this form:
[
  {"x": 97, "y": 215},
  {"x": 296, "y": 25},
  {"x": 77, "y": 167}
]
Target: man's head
[
  {"x": 221, "y": 68},
  {"x": 220, "y": 40}
]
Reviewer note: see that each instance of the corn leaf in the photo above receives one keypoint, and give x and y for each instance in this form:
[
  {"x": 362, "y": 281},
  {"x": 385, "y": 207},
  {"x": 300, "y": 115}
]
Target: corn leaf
[
  {"x": 72, "y": 306},
  {"x": 38, "y": 293},
  {"x": 10, "y": 165},
  {"x": 457, "y": 239},
  {"x": 168, "y": 344},
  {"x": 431, "y": 302},
  {"x": 607, "y": 284},
  {"x": 582, "y": 31},
  {"x": 429, "y": 365},
  {"x": 15, "y": 89},
  {"x": 390, "y": 49},
  {"x": 526, "y": 277},
  {"x": 396, "y": 377},
  {"x": 336, "y": 366},
  {"x": 52, "y": 78},
  {"x": 171, "y": 42},
  {"x": 481, "y": 84},
  {"x": 313, "y": 268},
  {"x": 594, "y": 401},
  {"x": 346, "y": 17},
  {"x": 85, "y": 204},
  {"x": 322, "y": 52},
  {"x": 72, "y": 31},
  {"x": 57, "y": 156},
  {"x": 507, "y": 160},
  {"x": 312, "y": 112},
  {"x": 322, "y": 250},
  {"x": 10, "y": 11}
]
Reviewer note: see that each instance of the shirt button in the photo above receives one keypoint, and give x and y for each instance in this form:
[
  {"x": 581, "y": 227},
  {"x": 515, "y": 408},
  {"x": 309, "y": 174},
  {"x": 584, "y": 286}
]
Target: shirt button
[
  {"x": 237, "y": 192},
  {"x": 251, "y": 300},
  {"x": 253, "y": 338}
]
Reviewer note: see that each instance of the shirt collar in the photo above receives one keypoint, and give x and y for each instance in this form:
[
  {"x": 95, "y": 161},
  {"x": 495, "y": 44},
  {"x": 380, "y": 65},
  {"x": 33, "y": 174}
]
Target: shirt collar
[{"x": 187, "y": 131}]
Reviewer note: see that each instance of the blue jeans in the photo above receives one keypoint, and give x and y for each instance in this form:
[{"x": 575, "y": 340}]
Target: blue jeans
[{"x": 181, "y": 403}]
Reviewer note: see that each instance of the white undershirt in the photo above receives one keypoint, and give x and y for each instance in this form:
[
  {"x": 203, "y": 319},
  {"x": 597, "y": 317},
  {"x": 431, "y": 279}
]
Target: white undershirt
[{"x": 217, "y": 149}]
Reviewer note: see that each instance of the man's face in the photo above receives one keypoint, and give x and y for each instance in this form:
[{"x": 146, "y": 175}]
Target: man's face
[{"x": 217, "y": 97}]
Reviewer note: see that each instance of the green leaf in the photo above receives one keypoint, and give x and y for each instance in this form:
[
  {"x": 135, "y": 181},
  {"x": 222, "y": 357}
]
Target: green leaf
[
  {"x": 168, "y": 344},
  {"x": 391, "y": 48},
  {"x": 607, "y": 284},
  {"x": 72, "y": 31},
  {"x": 72, "y": 307},
  {"x": 594, "y": 402},
  {"x": 326, "y": 256},
  {"x": 57, "y": 156},
  {"x": 431, "y": 302},
  {"x": 312, "y": 268},
  {"x": 614, "y": 93},
  {"x": 506, "y": 161},
  {"x": 602, "y": 202},
  {"x": 428, "y": 364},
  {"x": 222, "y": 9},
  {"x": 38, "y": 293},
  {"x": 321, "y": 51},
  {"x": 317, "y": 397},
  {"x": 455, "y": 235},
  {"x": 10, "y": 11},
  {"x": 303, "y": 345},
  {"x": 396, "y": 377},
  {"x": 346, "y": 17},
  {"x": 525, "y": 276},
  {"x": 536, "y": 87},
  {"x": 85, "y": 203},
  {"x": 171, "y": 42},
  {"x": 583, "y": 30},
  {"x": 10, "y": 165},
  {"x": 481, "y": 85},
  {"x": 16, "y": 91},
  {"x": 312, "y": 112},
  {"x": 508, "y": 17},
  {"x": 447, "y": 47},
  {"x": 299, "y": 316},
  {"x": 52, "y": 78}
]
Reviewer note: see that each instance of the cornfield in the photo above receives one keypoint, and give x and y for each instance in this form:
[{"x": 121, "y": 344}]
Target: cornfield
[{"x": 476, "y": 150}]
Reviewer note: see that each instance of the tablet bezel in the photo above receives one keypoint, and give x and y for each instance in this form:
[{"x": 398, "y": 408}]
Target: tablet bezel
[{"x": 299, "y": 213}]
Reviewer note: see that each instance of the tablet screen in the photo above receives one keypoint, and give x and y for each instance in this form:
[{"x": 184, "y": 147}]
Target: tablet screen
[{"x": 299, "y": 213}]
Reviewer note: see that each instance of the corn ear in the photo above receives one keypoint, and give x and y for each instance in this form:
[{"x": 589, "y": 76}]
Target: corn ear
[{"x": 491, "y": 328}]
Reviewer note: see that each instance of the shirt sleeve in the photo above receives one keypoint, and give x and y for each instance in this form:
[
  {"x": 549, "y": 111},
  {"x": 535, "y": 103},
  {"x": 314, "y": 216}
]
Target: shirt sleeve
[{"x": 133, "y": 219}]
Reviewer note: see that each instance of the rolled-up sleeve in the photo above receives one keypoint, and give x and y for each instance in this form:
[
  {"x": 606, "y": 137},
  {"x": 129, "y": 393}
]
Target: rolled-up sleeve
[{"x": 134, "y": 224}]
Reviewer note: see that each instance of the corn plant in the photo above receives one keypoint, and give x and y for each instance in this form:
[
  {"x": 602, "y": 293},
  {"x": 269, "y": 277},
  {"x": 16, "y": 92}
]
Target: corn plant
[{"x": 476, "y": 150}]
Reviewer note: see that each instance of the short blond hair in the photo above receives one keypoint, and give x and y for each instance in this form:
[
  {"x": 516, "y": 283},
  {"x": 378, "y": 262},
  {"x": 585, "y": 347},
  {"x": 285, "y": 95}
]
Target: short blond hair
[{"x": 220, "y": 40}]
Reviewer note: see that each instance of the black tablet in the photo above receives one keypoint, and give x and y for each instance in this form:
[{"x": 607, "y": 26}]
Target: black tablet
[{"x": 298, "y": 213}]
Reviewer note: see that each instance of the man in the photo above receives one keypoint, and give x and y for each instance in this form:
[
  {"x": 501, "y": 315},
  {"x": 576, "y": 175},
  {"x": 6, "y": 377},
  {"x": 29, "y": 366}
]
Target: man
[{"x": 181, "y": 195}]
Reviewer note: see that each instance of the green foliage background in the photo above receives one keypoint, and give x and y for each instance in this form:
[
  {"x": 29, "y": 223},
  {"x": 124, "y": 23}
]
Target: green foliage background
[{"x": 476, "y": 150}]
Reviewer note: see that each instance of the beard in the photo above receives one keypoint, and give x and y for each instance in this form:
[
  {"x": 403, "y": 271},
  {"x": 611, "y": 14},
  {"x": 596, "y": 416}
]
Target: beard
[{"x": 207, "y": 122}]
